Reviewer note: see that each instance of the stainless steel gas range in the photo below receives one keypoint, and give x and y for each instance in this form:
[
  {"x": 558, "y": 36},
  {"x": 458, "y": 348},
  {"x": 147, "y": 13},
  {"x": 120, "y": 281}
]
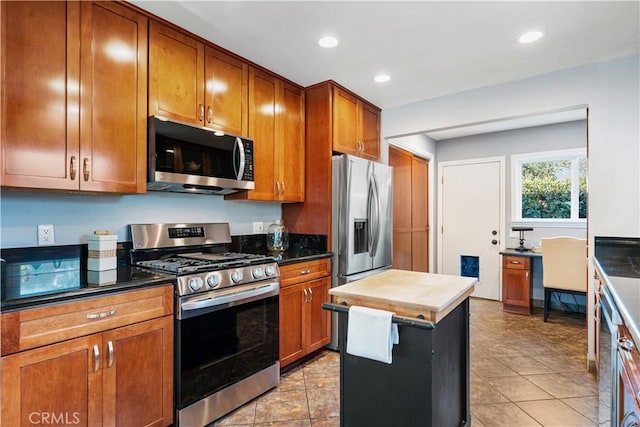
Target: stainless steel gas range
[{"x": 226, "y": 316}]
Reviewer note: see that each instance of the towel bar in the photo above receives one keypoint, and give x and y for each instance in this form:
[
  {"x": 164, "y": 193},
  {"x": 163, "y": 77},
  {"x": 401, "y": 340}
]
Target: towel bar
[{"x": 404, "y": 321}]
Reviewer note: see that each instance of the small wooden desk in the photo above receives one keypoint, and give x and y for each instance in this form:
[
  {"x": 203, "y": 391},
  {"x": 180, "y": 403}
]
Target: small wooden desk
[{"x": 517, "y": 281}]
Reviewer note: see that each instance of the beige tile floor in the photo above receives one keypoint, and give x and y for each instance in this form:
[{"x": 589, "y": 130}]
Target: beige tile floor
[{"x": 524, "y": 372}]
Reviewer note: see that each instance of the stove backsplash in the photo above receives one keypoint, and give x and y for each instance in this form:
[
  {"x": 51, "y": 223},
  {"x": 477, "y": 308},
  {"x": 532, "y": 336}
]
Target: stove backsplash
[{"x": 299, "y": 244}]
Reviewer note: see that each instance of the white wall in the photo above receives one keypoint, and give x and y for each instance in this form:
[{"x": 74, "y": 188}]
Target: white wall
[
  {"x": 75, "y": 216},
  {"x": 611, "y": 91}
]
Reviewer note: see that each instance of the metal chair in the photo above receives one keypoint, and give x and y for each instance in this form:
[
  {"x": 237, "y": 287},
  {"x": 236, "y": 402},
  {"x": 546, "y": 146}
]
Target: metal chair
[{"x": 564, "y": 267}]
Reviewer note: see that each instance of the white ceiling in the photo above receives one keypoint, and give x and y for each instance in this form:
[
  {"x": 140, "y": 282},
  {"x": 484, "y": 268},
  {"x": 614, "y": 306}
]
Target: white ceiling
[{"x": 429, "y": 48}]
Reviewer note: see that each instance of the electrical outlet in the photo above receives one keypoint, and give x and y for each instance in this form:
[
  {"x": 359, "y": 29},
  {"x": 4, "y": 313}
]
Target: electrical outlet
[
  {"x": 46, "y": 235},
  {"x": 258, "y": 227}
]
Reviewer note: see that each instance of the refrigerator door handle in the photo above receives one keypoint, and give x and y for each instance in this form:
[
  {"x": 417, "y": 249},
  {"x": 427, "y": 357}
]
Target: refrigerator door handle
[{"x": 374, "y": 215}]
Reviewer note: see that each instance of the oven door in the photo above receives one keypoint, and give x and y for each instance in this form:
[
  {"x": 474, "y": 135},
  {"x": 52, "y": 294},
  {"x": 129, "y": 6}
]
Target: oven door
[
  {"x": 223, "y": 337},
  {"x": 628, "y": 381}
]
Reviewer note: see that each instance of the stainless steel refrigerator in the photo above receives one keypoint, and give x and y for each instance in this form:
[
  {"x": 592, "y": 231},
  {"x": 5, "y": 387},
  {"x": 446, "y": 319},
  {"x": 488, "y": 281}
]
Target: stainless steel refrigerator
[{"x": 362, "y": 222}]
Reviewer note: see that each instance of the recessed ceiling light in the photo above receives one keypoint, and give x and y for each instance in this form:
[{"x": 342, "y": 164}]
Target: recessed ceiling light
[
  {"x": 328, "y": 41},
  {"x": 531, "y": 37},
  {"x": 381, "y": 78}
]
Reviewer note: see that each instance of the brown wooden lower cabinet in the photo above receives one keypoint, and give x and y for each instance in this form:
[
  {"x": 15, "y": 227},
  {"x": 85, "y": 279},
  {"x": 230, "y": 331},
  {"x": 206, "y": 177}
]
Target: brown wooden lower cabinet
[
  {"x": 304, "y": 325},
  {"x": 118, "y": 377},
  {"x": 516, "y": 284}
]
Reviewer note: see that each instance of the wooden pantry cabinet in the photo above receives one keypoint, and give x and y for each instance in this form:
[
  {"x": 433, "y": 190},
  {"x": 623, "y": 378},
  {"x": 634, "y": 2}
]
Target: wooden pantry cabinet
[
  {"x": 410, "y": 211},
  {"x": 73, "y": 96},
  {"x": 304, "y": 325},
  {"x": 105, "y": 361},
  {"x": 196, "y": 83},
  {"x": 276, "y": 125}
]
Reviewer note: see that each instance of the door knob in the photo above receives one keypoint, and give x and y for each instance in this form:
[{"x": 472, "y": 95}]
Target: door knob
[{"x": 494, "y": 242}]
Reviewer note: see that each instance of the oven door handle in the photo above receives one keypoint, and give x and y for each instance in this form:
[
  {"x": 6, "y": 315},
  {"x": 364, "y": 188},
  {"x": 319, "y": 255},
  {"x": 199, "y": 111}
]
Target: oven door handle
[{"x": 233, "y": 298}]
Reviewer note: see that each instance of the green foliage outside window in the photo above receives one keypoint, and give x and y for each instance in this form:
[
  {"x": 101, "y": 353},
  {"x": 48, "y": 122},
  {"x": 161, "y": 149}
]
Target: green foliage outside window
[{"x": 546, "y": 189}]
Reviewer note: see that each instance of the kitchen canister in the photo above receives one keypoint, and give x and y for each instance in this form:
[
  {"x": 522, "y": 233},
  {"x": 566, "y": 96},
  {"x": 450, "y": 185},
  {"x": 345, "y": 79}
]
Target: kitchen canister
[
  {"x": 277, "y": 236},
  {"x": 102, "y": 251}
]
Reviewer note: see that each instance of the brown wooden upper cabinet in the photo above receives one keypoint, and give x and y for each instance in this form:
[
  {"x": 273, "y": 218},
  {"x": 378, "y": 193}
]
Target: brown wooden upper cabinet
[
  {"x": 196, "y": 83},
  {"x": 276, "y": 125},
  {"x": 74, "y": 96},
  {"x": 356, "y": 125}
]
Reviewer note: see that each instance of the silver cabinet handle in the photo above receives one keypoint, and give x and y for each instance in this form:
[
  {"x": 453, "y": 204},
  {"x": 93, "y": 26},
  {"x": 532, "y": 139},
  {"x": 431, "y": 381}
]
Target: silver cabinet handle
[
  {"x": 306, "y": 295},
  {"x": 304, "y": 272},
  {"x": 625, "y": 344},
  {"x": 72, "y": 168},
  {"x": 310, "y": 295},
  {"x": 110, "y": 353},
  {"x": 96, "y": 358},
  {"x": 514, "y": 262},
  {"x": 277, "y": 188},
  {"x": 85, "y": 168},
  {"x": 102, "y": 315},
  {"x": 209, "y": 114},
  {"x": 282, "y": 188},
  {"x": 201, "y": 108}
]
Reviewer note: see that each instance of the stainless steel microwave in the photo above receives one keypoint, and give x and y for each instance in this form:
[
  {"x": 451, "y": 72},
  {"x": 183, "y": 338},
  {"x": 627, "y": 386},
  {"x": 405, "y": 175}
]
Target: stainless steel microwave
[{"x": 188, "y": 158}]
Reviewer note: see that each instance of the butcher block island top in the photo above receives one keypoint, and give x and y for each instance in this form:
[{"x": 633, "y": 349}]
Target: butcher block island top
[{"x": 407, "y": 293}]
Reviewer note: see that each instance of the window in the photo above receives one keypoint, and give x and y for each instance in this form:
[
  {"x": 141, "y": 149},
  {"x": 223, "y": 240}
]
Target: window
[{"x": 550, "y": 187}]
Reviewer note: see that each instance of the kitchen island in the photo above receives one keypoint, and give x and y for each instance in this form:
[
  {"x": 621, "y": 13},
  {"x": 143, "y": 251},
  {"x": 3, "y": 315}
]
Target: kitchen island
[{"x": 427, "y": 382}]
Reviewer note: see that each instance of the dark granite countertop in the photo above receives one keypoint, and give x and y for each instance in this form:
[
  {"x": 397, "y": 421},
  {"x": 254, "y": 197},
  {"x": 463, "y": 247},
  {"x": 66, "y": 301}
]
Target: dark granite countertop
[
  {"x": 127, "y": 277},
  {"x": 22, "y": 289},
  {"x": 302, "y": 247},
  {"x": 617, "y": 261}
]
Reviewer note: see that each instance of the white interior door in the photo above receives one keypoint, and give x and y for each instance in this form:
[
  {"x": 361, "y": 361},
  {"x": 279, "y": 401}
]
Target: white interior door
[{"x": 472, "y": 206}]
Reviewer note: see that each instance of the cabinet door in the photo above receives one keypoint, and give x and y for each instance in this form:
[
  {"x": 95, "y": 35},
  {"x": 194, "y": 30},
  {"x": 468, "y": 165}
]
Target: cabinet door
[
  {"x": 402, "y": 208},
  {"x": 176, "y": 75},
  {"x": 113, "y": 115},
  {"x": 345, "y": 122},
  {"x": 226, "y": 92},
  {"x": 420, "y": 214},
  {"x": 263, "y": 89},
  {"x": 138, "y": 374},
  {"x": 292, "y": 335},
  {"x": 515, "y": 288},
  {"x": 370, "y": 132},
  {"x": 317, "y": 319},
  {"x": 290, "y": 153},
  {"x": 61, "y": 380},
  {"x": 40, "y": 94}
]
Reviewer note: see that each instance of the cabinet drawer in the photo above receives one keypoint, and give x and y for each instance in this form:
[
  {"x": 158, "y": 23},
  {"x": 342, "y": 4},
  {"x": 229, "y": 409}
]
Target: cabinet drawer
[
  {"x": 515, "y": 262},
  {"x": 303, "y": 271},
  {"x": 39, "y": 326}
]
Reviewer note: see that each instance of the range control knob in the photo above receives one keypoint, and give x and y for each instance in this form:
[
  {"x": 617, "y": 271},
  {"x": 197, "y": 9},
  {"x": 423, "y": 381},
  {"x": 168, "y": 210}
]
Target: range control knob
[
  {"x": 258, "y": 273},
  {"x": 195, "y": 283},
  {"x": 270, "y": 270},
  {"x": 213, "y": 280},
  {"x": 236, "y": 276}
]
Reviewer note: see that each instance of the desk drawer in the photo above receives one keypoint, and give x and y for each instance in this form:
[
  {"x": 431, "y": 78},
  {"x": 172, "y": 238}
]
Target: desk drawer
[
  {"x": 515, "y": 262},
  {"x": 291, "y": 274}
]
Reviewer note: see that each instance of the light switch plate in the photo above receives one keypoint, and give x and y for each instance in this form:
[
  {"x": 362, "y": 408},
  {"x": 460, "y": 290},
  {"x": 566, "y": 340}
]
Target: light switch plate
[{"x": 258, "y": 227}]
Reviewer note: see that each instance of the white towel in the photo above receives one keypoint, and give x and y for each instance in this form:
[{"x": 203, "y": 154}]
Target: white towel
[{"x": 371, "y": 334}]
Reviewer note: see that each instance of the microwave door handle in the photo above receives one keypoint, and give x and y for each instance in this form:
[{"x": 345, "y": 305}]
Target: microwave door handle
[{"x": 238, "y": 150}]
